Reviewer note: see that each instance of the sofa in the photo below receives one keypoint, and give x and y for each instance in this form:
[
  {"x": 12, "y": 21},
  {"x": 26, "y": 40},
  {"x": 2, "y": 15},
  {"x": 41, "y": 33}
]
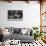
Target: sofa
[{"x": 22, "y": 34}]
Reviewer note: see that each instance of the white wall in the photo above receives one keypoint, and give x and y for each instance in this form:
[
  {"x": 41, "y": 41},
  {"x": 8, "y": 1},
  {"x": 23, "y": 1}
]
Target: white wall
[{"x": 31, "y": 14}]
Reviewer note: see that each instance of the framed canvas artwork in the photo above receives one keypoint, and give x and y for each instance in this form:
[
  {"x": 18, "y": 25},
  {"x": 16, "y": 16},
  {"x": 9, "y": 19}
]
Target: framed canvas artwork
[{"x": 15, "y": 14}]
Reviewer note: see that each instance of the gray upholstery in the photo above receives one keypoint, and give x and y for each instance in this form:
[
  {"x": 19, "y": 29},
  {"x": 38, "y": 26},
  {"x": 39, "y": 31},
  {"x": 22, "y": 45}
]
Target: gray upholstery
[
  {"x": 22, "y": 38},
  {"x": 17, "y": 30},
  {"x": 16, "y": 34}
]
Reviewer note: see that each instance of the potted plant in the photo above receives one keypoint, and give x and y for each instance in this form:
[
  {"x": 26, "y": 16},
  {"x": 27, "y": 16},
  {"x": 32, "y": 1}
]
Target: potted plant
[{"x": 37, "y": 33}]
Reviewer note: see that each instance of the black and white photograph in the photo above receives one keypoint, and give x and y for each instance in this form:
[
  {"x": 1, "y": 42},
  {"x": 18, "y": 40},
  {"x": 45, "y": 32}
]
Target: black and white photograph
[{"x": 15, "y": 14}]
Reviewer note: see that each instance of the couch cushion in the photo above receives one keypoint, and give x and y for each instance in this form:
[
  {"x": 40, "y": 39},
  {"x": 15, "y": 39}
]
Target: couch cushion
[
  {"x": 11, "y": 30},
  {"x": 17, "y": 30},
  {"x": 23, "y": 31}
]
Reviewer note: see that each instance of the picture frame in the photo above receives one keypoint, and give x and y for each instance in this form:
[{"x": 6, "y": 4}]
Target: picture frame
[{"x": 15, "y": 15}]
